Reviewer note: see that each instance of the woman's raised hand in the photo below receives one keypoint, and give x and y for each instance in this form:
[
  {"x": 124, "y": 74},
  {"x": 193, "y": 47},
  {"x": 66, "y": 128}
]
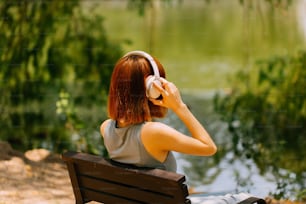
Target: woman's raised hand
[{"x": 171, "y": 97}]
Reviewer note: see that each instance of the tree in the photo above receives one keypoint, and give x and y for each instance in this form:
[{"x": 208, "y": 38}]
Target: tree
[
  {"x": 266, "y": 114},
  {"x": 49, "y": 48}
]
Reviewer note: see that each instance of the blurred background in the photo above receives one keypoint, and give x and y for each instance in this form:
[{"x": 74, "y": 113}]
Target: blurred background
[{"x": 241, "y": 67}]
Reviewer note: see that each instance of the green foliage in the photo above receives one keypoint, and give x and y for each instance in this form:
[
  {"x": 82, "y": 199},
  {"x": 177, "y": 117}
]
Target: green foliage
[
  {"x": 273, "y": 3},
  {"x": 49, "y": 48},
  {"x": 266, "y": 115},
  {"x": 141, "y": 5}
]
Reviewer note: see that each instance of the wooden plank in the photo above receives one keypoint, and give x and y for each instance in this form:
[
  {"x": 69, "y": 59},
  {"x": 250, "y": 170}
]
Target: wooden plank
[
  {"x": 105, "y": 198},
  {"x": 74, "y": 182},
  {"x": 112, "y": 199}
]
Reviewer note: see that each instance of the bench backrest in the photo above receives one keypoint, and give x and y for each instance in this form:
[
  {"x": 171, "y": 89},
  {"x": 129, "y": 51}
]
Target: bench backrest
[{"x": 95, "y": 178}]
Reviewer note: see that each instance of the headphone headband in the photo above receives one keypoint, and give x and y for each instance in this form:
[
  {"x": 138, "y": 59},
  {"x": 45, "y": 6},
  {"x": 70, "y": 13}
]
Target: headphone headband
[
  {"x": 149, "y": 58},
  {"x": 151, "y": 92}
]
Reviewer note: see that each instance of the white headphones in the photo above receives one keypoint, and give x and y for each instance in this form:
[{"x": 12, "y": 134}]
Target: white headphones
[{"x": 151, "y": 92}]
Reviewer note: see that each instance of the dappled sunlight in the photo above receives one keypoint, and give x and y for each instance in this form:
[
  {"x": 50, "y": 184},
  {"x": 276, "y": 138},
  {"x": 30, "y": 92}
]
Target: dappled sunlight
[{"x": 28, "y": 182}]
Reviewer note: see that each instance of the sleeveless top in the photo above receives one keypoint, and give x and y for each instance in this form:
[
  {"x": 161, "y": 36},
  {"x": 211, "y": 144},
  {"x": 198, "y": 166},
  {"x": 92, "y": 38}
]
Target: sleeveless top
[{"x": 124, "y": 145}]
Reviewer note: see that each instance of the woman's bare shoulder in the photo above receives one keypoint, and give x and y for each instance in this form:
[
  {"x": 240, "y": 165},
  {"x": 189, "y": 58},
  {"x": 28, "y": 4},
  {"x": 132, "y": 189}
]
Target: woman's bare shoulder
[
  {"x": 154, "y": 126},
  {"x": 103, "y": 125},
  {"x": 156, "y": 129}
]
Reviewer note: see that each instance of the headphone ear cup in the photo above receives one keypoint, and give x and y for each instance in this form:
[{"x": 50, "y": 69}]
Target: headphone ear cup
[{"x": 151, "y": 91}]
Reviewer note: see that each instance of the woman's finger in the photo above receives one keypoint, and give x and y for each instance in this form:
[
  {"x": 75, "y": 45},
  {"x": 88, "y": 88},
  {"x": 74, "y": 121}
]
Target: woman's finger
[
  {"x": 163, "y": 80},
  {"x": 157, "y": 102},
  {"x": 158, "y": 87}
]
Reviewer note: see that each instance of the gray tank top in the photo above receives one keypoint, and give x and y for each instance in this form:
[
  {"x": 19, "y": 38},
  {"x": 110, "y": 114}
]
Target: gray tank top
[{"x": 125, "y": 145}]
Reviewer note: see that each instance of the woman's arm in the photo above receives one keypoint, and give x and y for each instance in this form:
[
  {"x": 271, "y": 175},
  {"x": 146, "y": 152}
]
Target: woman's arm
[{"x": 170, "y": 139}]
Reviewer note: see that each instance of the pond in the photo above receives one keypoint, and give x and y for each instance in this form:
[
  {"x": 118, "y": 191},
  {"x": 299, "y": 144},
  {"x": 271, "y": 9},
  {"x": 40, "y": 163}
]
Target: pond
[{"x": 202, "y": 44}]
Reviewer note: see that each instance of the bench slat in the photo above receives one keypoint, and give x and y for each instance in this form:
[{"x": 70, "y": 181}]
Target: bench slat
[{"x": 91, "y": 195}]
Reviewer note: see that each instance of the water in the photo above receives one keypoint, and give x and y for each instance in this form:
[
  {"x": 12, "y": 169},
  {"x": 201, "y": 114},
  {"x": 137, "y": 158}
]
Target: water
[
  {"x": 202, "y": 44},
  {"x": 227, "y": 173}
]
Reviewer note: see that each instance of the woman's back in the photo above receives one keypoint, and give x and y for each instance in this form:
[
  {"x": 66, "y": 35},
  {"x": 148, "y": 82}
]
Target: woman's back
[{"x": 125, "y": 145}]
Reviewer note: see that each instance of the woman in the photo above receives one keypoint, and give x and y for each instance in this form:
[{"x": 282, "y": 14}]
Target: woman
[{"x": 139, "y": 93}]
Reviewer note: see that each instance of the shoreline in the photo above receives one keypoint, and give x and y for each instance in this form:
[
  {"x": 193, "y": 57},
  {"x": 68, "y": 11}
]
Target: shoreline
[{"x": 37, "y": 176}]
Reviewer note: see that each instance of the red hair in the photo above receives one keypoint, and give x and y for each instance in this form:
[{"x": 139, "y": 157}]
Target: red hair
[{"x": 127, "y": 99}]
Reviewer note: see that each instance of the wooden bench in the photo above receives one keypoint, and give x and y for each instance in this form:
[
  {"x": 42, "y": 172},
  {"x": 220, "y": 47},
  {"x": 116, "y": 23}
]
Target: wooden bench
[{"x": 95, "y": 178}]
